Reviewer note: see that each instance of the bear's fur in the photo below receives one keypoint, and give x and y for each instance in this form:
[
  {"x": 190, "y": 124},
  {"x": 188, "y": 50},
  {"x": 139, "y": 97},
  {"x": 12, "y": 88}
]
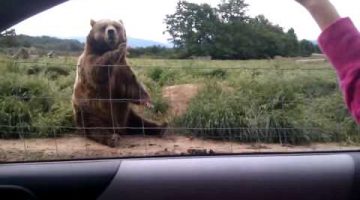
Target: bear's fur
[{"x": 105, "y": 86}]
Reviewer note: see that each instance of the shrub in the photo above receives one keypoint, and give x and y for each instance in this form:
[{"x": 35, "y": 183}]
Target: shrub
[
  {"x": 264, "y": 112},
  {"x": 31, "y": 106},
  {"x": 55, "y": 72},
  {"x": 161, "y": 76},
  {"x": 161, "y": 106},
  {"x": 216, "y": 73},
  {"x": 155, "y": 73}
]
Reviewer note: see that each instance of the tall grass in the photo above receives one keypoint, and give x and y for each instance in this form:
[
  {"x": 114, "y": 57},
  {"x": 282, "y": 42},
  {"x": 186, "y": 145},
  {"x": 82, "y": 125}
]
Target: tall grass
[
  {"x": 275, "y": 106},
  {"x": 275, "y": 101},
  {"x": 34, "y": 100}
]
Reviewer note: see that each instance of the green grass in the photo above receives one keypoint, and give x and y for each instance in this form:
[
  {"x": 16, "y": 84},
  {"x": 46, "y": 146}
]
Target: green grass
[
  {"x": 274, "y": 101},
  {"x": 35, "y": 99}
]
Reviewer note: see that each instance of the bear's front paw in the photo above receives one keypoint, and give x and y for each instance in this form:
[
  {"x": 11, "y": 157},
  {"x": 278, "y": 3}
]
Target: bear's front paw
[
  {"x": 122, "y": 46},
  {"x": 163, "y": 129}
]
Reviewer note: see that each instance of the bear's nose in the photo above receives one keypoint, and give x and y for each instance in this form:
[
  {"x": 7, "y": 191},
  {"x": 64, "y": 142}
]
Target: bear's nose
[{"x": 111, "y": 32}]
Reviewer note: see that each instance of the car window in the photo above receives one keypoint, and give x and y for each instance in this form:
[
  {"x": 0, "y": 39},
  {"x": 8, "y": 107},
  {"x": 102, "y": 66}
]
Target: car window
[{"x": 224, "y": 78}]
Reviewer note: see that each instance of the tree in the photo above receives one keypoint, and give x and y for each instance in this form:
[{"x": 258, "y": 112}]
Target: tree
[
  {"x": 291, "y": 43},
  {"x": 192, "y": 27},
  {"x": 307, "y": 48},
  {"x": 8, "y": 38},
  {"x": 232, "y": 11},
  {"x": 226, "y": 32},
  {"x": 271, "y": 40}
]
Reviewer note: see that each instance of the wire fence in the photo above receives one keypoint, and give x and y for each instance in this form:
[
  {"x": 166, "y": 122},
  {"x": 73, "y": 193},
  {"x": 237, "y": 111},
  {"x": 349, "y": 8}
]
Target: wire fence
[
  {"x": 248, "y": 110},
  {"x": 238, "y": 67}
]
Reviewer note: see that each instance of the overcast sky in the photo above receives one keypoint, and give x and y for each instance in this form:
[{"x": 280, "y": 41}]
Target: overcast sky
[{"x": 145, "y": 18}]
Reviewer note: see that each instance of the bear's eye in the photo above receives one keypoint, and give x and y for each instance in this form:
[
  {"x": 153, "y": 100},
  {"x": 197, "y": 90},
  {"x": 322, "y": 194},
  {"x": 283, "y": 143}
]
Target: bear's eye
[
  {"x": 118, "y": 27},
  {"x": 103, "y": 28}
]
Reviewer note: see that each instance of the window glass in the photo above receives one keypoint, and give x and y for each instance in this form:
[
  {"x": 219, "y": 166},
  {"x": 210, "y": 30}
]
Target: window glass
[{"x": 186, "y": 78}]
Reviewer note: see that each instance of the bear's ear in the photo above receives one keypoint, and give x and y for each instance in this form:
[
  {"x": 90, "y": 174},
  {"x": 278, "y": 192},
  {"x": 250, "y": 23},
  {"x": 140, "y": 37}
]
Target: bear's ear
[
  {"x": 121, "y": 22},
  {"x": 92, "y": 22}
]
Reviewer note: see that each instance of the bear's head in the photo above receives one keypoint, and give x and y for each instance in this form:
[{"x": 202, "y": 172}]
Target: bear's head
[{"x": 106, "y": 35}]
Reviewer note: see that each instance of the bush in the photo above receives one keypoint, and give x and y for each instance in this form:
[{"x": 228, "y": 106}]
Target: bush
[
  {"x": 33, "y": 70},
  {"x": 161, "y": 76},
  {"x": 31, "y": 106},
  {"x": 160, "y": 105},
  {"x": 155, "y": 74},
  {"x": 215, "y": 73},
  {"x": 271, "y": 105},
  {"x": 55, "y": 72},
  {"x": 268, "y": 112}
]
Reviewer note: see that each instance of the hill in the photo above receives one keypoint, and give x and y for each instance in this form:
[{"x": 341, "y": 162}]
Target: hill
[
  {"x": 49, "y": 43},
  {"x": 73, "y": 44},
  {"x": 132, "y": 42}
]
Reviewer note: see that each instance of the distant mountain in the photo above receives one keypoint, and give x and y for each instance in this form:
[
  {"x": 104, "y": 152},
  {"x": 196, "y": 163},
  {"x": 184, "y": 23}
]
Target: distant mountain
[
  {"x": 72, "y": 44},
  {"x": 133, "y": 42},
  {"x": 80, "y": 39},
  {"x": 49, "y": 43}
]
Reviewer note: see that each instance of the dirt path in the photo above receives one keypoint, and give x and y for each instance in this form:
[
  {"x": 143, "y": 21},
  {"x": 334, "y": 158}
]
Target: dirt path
[
  {"x": 179, "y": 97},
  {"x": 72, "y": 147}
]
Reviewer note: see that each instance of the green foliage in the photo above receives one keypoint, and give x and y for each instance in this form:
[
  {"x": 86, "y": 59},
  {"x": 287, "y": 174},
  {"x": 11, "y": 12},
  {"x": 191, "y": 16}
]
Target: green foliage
[
  {"x": 193, "y": 28},
  {"x": 55, "y": 72},
  {"x": 10, "y": 39},
  {"x": 156, "y": 73},
  {"x": 273, "y": 106},
  {"x": 246, "y": 105},
  {"x": 31, "y": 104},
  {"x": 226, "y": 32},
  {"x": 152, "y": 52},
  {"x": 233, "y": 10},
  {"x": 161, "y": 76},
  {"x": 307, "y": 48},
  {"x": 216, "y": 73},
  {"x": 160, "y": 105},
  {"x": 271, "y": 116},
  {"x": 49, "y": 43}
]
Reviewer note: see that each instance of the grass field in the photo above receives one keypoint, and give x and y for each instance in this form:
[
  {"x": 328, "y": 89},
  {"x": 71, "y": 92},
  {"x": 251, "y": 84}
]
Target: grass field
[{"x": 261, "y": 101}]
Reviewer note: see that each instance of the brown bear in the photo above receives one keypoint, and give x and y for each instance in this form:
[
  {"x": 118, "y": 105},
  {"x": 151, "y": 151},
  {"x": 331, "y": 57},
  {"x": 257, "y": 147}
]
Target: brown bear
[{"x": 105, "y": 87}]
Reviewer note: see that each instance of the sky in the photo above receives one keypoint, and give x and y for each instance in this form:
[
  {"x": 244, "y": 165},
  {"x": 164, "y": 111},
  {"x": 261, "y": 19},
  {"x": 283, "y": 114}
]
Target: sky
[{"x": 144, "y": 19}]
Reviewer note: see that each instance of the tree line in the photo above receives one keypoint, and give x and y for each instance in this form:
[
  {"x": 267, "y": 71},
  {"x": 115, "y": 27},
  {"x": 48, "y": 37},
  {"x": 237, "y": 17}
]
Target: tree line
[
  {"x": 197, "y": 30},
  {"x": 9, "y": 39},
  {"x": 228, "y": 32}
]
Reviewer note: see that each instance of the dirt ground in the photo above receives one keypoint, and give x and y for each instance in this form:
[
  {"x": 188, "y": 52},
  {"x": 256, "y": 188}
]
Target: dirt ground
[
  {"x": 179, "y": 97},
  {"x": 77, "y": 147}
]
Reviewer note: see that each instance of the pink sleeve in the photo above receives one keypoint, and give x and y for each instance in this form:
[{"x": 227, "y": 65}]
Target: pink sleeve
[{"x": 341, "y": 43}]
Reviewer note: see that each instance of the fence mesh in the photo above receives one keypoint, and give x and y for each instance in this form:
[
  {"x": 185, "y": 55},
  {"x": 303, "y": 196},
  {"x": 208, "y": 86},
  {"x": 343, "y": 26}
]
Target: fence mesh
[{"x": 209, "y": 108}]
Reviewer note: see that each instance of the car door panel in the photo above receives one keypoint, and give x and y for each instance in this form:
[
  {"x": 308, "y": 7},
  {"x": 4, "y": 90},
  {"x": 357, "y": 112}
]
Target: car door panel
[{"x": 274, "y": 176}]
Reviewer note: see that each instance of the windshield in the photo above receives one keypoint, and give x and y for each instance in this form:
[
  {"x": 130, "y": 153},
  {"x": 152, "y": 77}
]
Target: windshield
[{"x": 197, "y": 78}]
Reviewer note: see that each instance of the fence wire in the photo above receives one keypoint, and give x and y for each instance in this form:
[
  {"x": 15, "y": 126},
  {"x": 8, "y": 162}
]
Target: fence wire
[{"x": 230, "y": 130}]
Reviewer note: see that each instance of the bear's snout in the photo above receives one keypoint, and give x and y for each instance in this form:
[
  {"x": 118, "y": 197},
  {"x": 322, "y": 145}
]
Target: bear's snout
[
  {"x": 111, "y": 33},
  {"x": 111, "y": 36}
]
